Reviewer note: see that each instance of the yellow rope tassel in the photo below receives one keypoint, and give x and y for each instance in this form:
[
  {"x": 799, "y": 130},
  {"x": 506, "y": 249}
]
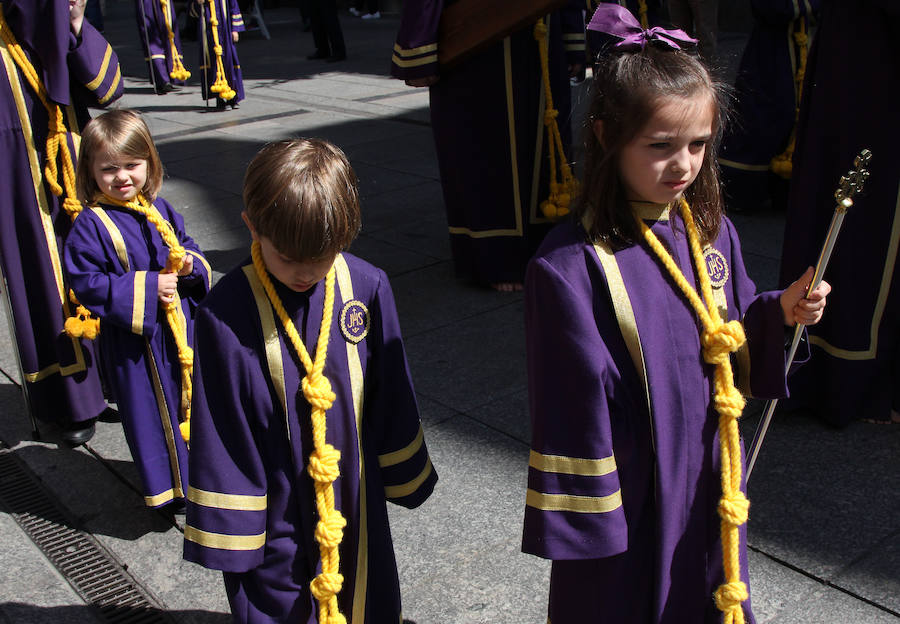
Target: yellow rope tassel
[
  {"x": 220, "y": 86},
  {"x": 178, "y": 70},
  {"x": 174, "y": 317},
  {"x": 323, "y": 461},
  {"x": 719, "y": 340},
  {"x": 82, "y": 324},
  {"x": 562, "y": 192},
  {"x": 782, "y": 164}
]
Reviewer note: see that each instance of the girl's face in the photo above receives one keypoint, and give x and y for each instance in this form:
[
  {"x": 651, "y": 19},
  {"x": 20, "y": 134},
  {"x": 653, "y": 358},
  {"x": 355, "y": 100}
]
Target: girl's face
[
  {"x": 664, "y": 158},
  {"x": 118, "y": 176}
]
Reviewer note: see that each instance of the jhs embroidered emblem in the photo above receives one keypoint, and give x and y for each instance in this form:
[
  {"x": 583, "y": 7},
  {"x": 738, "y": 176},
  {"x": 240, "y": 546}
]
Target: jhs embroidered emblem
[
  {"x": 354, "y": 321},
  {"x": 716, "y": 266}
]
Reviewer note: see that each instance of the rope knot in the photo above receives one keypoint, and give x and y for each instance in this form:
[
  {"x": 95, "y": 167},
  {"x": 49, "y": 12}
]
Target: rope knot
[
  {"x": 326, "y": 585},
  {"x": 729, "y": 596},
  {"x": 186, "y": 357},
  {"x": 719, "y": 342},
  {"x": 540, "y": 30},
  {"x": 330, "y": 529},
  {"x": 550, "y": 115},
  {"x": 318, "y": 391},
  {"x": 323, "y": 464},
  {"x": 734, "y": 509}
]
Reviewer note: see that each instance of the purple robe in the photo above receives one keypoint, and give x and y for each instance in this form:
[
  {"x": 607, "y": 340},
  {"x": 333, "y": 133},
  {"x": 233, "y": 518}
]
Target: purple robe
[
  {"x": 487, "y": 119},
  {"x": 623, "y": 483},
  {"x": 154, "y": 34},
  {"x": 59, "y": 372},
  {"x": 251, "y": 506},
  {"x": 228, "y": 13},
  {"x": 855, "y": 371},
  {"x": 113, "y": 257}
]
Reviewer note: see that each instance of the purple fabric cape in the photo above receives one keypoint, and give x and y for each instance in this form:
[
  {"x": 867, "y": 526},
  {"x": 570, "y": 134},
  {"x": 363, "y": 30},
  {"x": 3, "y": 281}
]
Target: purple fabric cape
[
  {"x": 152, "y": 30},
  {"x": 248, "y": 467},
  {"x": 138, "y": 353},
  {"x": 230, "y": 19},
  {"x": 61, "y": 378},
  {"x": 646, "y": 546}
]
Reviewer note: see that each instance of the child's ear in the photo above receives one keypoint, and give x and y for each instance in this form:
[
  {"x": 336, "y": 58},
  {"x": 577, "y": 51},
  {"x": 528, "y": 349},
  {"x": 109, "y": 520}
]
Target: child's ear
[
  {"x": 248, "y": 224},
  {"x": 597, "y": 128}
]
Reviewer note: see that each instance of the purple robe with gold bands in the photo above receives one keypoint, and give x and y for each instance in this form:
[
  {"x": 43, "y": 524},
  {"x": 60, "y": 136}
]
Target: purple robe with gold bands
[
  {"x": 77, "y": 72},
  {"x": 623, "y": 477},
  {"x": 251, "y": 505},
  {"x": 154, "y": 36},
  {"x": 487, "y": 118},
  {"x": 228, "y": 13},
  {"x": 113, "y": 257}
]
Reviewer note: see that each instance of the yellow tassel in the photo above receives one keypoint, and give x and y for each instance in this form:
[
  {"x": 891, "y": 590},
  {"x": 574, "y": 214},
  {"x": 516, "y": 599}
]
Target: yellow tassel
[
  {"x": 781, "y": 164},
  {"x": 220, "y": 86},
  {"x": 178, "y": 70}
]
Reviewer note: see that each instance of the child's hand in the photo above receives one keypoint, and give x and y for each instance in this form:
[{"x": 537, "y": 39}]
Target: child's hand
[
  {"x": 188, "y": 265},
  {"x": 166, "y": 287},
  {"x": 235, "y": 36},
  {"x": 801, "y": 309}
]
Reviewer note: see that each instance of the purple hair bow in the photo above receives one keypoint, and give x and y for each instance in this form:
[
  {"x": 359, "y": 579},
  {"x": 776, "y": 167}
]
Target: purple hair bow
[{"x": 617, "y": 21}]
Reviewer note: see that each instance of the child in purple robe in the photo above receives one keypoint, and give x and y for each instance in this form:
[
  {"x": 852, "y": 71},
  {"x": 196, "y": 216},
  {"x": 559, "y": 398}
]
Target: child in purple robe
[
  {"x": 635, "y": 311},
  {"x": 305, "y": 420},
  {"x": 130, "y": 262}
]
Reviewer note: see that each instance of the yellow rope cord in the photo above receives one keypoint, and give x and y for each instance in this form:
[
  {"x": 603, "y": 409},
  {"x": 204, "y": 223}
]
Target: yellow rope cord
[
  {"x": 556, "y": 205},
  {"x": 781, "y": 164},
  {"x": 174, "y": 263},
  {"x": 220, "y": 86},
  {"x": 323, "y": 461},
  {"x": 178, "y": 70},
  {"x": 719, "y": 340},
  {"x": 642, "y": 14}
]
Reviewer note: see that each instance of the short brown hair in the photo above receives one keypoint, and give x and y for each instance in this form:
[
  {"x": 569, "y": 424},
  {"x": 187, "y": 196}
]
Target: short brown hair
[
  {"x": 119, "y": 131},
  {"x": 302, "y": 195}
]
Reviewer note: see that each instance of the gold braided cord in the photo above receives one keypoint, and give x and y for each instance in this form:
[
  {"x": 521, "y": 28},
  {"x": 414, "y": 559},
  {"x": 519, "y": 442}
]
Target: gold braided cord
[
  {"x": 178, "y": 70},
  {"x": 556, "y": 205},
  {"x": 782, "y": 164},
  {"x": 220, "y": 86},
  {"x": 174, "y": 263},
  {"x": 718, "y": 339},
  {"x": 642, "y": 14},
  {"x": 323, "y": 461}
]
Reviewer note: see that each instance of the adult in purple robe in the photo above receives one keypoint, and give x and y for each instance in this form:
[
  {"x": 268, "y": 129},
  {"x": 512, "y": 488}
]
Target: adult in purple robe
[
  {"x": 113, "y": 257},
  {"x": 487, "y": 118},
  {"x": 624, "y": 481},
  {"x": 848, "y": 104},
  {"x": 154, "y": 35},
  {"x": 77, "y": 70},
  {"x": 766, "y": 101},
  {"x": 228, "y": 15},
  {"x": 251, "y": 505}
]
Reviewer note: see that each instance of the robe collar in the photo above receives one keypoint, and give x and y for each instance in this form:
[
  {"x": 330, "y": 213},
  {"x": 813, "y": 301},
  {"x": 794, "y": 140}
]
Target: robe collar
[{"x": 648, "y": 211}]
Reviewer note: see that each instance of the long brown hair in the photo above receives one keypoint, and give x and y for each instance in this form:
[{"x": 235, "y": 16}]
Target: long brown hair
[{"x": 627, "y": 90}]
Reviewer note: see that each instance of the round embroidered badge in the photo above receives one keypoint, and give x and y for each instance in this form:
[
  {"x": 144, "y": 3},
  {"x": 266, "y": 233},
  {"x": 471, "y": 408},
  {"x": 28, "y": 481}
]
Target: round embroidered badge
[
  {"x": 354, "y": 321},
  {"x": 716, "y": 266}
]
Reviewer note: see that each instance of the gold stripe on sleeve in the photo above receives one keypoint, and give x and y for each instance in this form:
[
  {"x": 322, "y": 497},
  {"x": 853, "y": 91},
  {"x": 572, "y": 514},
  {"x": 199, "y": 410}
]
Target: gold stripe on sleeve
[
  {"x": 222, "y": 541},
  {"x": 399, "y": 62},
  {"x": 206, "y": 266},
  {"x": 112, "y": 89},
  {"x": 159, "y": 499},
  {"x": 93, "y": 84},
  {"x": 237, "y": 502},
  {"x": 137, "y": 310},
  {"x": 572, "y": 465},
  {"x": 576, "y": 504},
  {"x": 431, "y": 47},
  {"x": 399, "y": 491},
  {"x": 400, "y": 456}
]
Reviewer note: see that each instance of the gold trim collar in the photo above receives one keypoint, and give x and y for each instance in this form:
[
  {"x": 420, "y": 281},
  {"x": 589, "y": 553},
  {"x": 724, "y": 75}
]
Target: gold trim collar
[{"x": 648, "y": 211}]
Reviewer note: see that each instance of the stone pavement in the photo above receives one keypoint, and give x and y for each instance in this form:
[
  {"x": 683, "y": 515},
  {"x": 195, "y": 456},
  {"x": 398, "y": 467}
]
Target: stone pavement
[{"x": 825, "y": 519}]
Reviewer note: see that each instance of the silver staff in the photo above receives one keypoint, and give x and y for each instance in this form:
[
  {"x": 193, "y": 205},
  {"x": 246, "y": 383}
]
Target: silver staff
[
  {"x": 850, "y": 185},
  {"x": 147, "y": 43}
]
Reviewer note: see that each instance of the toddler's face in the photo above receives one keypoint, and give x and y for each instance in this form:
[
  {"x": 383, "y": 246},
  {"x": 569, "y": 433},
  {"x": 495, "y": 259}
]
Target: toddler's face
[
  {"x": 297, "y": 275},
  {"x": 665, "y": 157},
  {"x": 118, "y": 176}
]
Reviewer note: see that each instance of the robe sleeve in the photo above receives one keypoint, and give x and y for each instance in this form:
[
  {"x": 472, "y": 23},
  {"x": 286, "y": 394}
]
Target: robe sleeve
[
  {"x": 406, "y": 469},
  {"x": 574, "y": 501},
  {"x": 227, "y": 498},
  {"x": 126, "y": 299},
  {"x": 237, "y": 20},
  {"x": 416, "y": 48},
  {"x": 94, "y": 65},
  {"x": 573, "y": 32},
  {"x": 198, "y": 282}
]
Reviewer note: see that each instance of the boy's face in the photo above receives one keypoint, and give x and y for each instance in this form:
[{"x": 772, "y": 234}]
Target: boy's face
[{"x": 297, "y": 275}]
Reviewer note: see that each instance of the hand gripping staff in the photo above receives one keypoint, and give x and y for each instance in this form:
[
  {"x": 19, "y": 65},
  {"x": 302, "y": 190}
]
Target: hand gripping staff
[{"x": 850, "y": 185}]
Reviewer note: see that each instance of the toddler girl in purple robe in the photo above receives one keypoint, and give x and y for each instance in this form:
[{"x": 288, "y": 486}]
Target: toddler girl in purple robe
[
  {"x": 636, "y": 312},
  {"x": 130, "y": 262}
]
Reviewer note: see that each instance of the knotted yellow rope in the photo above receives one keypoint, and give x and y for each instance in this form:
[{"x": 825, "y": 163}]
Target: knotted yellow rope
[
  {"x": 81, "y": 324},
  {"x": 178, "y": 70},
  {"x": 781, "y": 164},
  {"x": 556, "y": 205},
  {"x": 174, "y": 263},
  {"x": 220, "y": 86},
  {"x": 718, "y": 339},
  {"x": 323, "y": 461}
]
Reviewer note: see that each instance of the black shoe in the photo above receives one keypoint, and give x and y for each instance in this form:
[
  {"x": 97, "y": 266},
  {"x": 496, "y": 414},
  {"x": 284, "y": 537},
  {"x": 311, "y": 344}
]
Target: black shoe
[
  {"x": 220, "y": 104},
  {"x": 233, "y": 103},
  {"x": 79, "y": 433},
  {"x": 318, "y": 55},
  {"x": 335, "y": 58},
  {"x": 177, "y": 507},
  {"x": 164, "y": 88}
]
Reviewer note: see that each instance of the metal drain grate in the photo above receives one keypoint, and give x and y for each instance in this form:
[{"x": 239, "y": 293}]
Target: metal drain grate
[{"x": 87, "y": 566}]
